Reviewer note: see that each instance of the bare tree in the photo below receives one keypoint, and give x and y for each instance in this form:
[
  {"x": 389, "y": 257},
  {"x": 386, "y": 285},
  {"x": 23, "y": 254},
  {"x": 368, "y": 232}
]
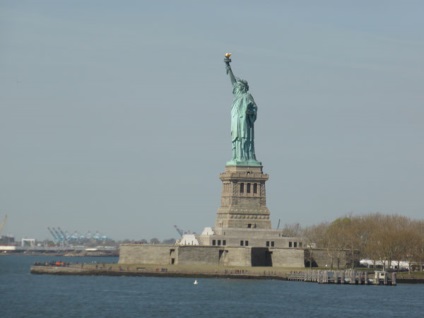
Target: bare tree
[
  {"x": 418, "y": 247},
  {"x": 312, "y": 237},
  {"x": 154, "y": 241},
  {"x": 169, "y": 241},
  {"x": 292, "y": 230}
]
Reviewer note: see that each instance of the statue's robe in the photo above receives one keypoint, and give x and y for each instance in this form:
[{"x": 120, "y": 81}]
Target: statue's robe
[{"x": 243, "y": 115}]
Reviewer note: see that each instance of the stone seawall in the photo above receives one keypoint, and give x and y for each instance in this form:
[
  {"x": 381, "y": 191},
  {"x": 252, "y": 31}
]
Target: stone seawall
[
  {"x": 187, "y": 271},
  {"x": 161, "y": 270}
]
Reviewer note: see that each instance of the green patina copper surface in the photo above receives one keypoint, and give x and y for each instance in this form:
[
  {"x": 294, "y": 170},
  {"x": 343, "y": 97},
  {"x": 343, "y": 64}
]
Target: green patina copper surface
[{"x": 243, "y": 116}]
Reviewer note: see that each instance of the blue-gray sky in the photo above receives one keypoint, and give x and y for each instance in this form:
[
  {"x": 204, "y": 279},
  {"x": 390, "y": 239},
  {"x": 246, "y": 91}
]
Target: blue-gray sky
[{"x": 114, "y": 115}]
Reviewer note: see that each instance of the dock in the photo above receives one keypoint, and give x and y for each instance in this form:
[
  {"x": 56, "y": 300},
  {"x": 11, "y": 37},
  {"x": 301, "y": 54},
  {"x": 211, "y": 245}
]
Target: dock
[{"x": 351, "y": 277}]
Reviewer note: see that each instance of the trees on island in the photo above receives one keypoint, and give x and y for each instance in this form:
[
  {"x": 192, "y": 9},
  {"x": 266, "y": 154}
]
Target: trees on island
[{"x": 377, "y": 237}]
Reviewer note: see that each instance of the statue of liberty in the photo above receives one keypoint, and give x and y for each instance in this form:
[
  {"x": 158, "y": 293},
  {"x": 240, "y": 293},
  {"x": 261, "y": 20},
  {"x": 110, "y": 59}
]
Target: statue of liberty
[{"x": 243, "y": 116}]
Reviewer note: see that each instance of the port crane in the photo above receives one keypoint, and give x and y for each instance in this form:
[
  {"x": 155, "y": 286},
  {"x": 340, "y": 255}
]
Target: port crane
[
  {"x": 182, "y": 232},
  {"x": 64, "y": 237},
  {"x": 62, "y": 234},
  {"x": 58, "y": 235},
  {"x": 53, "y": 234}
]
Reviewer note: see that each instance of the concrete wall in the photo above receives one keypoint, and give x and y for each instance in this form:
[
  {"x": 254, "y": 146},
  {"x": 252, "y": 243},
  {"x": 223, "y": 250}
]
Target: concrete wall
[
  {"x": 237, "y": 256},
  {"x": 200, "y": 255},
  {"x": 145, "y": 254},
  {"x": 288, "y": 257},
  {"x": 225, "y": 256},
  {"x": 209, "y": 255}
]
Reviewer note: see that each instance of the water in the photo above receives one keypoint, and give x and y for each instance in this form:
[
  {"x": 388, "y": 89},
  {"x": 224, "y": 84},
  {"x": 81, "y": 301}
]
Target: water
[{"x": 26, "y": 295}]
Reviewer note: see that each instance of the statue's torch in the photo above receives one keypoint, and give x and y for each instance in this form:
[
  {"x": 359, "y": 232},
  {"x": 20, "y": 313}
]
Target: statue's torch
[{"x": 227, "y": 60}]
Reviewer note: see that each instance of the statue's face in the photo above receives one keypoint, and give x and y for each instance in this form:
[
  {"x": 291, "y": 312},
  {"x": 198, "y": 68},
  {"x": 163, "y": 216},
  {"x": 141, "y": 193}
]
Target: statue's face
[{"x": 241, "y": 87}]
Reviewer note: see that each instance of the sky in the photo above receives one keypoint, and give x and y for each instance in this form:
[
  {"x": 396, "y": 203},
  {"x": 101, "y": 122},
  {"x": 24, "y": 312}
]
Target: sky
[{"x": 115, "y": 115}]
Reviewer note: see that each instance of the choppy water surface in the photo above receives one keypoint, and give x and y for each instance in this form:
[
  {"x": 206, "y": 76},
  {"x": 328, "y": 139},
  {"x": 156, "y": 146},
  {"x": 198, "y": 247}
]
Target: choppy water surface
[{"x": 26, "y": 295}]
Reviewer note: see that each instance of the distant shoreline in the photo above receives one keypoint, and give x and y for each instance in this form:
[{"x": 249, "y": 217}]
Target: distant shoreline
[{"x": 62, "y": 254}]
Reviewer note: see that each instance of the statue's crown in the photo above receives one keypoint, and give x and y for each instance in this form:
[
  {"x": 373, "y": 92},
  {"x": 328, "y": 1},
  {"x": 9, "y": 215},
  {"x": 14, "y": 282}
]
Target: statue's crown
[{"x": 243, "y": 82}]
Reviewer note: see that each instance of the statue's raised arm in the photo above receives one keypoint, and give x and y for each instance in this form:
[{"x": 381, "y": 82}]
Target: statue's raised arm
[{"x": 227, "y": 61}]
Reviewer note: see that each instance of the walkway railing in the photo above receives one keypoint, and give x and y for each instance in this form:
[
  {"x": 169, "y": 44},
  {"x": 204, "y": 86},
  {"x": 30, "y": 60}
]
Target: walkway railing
[{"x": 344, "y": 277}]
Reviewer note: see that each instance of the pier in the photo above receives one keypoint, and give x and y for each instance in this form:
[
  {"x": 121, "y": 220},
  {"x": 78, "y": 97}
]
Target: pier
[{"x": 351, "y": 277}]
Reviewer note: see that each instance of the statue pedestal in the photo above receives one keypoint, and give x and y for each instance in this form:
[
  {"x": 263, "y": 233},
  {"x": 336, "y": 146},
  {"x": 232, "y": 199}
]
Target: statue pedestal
[
  {"x": 243, "y": 198},
  {"x": 248, "y": 163}
]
